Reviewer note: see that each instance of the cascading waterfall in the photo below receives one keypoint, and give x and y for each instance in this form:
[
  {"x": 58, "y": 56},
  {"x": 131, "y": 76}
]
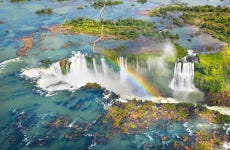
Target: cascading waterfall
[
  {"x": 149, "y": 66},
  {"x": 104, "y": 67},
  {"x": 183, "y": 77},
  {"x": 78, "y": 66},
  {"x": 122, "y": 63},
  {"x": 137, "y": 65},
  {"x": 74, "y": 73},
  {"x": 95, "y": 66}
]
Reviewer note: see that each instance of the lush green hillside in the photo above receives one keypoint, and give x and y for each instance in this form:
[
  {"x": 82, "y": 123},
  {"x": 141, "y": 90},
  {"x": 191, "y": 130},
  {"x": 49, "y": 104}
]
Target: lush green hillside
[
  {"x": 212, "y": 75},
  {"x": 212, "y": 72}
]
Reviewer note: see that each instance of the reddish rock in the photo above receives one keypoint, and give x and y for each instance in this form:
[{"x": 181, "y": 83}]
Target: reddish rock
[{"x": 28, "y": 44}]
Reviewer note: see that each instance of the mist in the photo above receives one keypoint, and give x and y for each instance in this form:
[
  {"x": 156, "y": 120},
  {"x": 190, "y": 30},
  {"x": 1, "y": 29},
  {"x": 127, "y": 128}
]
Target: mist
[{"x": 79, "y": 74}]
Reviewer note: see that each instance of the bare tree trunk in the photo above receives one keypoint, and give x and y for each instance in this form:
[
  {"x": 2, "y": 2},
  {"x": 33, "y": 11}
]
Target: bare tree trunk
[
  {"x": 102, "y": 28},
  {"x": 101, "y": 12},
  {"x": 99, "y": 38}
]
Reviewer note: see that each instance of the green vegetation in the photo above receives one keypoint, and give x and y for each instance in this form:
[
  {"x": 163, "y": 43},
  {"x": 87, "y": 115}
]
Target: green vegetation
[
  {"x": 213, "y": 20},
  {"x": 18, "y": 0},
  {"x": 178, "y": 22},
  {"x": 212, "y": 72},
  {"x": 167, "y": 34},
  {"x": 138, "y": 115},
  {"x": 46, "y": 62},
  {"x": 44, "y": 11},
  {"x": 122, "y": 29},
  {"x": 101, "y": 3},
  {"x": 142, "y": 1},
  {"x": 111, "y": 55},
  {"x": 222, "y": 118},
  {"x": 181, "y": 51},
  {"x": 114, "y": 54},
  {"x": 65, "y": 66},
  {"x": 205, "y": 141}
]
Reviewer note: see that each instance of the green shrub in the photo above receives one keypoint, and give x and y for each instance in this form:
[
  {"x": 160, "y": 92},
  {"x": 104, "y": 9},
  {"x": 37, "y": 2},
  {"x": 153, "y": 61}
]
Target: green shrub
[{"x": 44, "y": 11}]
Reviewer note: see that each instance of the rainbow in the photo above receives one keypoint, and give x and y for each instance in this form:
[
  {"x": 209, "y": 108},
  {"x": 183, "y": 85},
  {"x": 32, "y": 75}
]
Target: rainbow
[{"x": 140, "y": 81}]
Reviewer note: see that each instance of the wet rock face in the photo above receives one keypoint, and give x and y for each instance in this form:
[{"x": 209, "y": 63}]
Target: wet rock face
[{"x": 192, "y": 59}]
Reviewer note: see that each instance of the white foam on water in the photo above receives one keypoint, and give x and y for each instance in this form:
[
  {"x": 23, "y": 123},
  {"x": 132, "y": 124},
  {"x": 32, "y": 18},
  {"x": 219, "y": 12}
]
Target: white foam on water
[
  {"x": 122, "y": 100},
  {"x": 71, "y": 124},
  {"x": 220, "y": 109},
  {"x": 226, "y": 145},
  {"x": 149, "y": 137},
  {"x": 5, "y": 63}
]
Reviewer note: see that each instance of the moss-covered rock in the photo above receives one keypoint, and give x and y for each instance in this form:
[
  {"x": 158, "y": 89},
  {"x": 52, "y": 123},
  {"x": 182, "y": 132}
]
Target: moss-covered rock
[
  {"x": 128, "y": 117},
  {"x": 65, "y": 66}
]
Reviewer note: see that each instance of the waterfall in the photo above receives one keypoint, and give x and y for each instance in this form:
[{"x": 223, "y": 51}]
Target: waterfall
[
  {"x": 78, "y": 66},
  {"x": 104, "y": 67},
  {"x": 149, "y": 66},
  {"x": 137, "y": 65},
  {"x": 95, "y": 66},
  {"x": 122, "y": 63},
  {"x": 183, "y": 77},
  {"x": 74, "y": 73}
]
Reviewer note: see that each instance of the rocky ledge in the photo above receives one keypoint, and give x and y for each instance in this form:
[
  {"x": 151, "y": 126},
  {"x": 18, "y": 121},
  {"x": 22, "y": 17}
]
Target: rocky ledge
[{"x": 220, "y": 99}]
